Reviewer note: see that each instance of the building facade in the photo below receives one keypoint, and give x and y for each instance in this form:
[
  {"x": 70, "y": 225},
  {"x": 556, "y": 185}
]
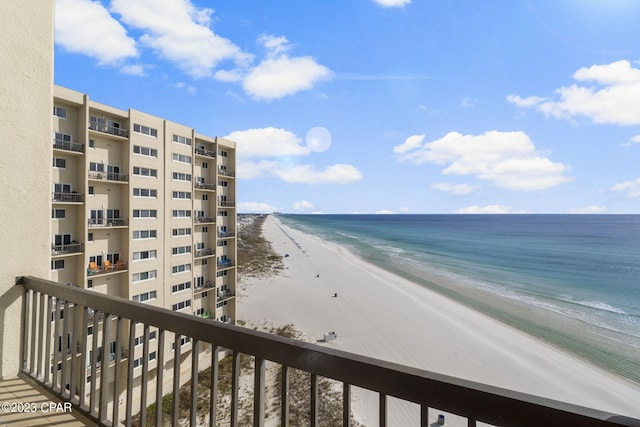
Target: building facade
[{"x": 142, "y": 208}]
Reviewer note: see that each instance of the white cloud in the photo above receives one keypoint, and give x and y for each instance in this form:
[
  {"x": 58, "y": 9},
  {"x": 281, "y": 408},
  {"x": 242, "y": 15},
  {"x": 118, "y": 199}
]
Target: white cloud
[
  {"x": 392, "y": 3},
  {"x": 279, "y": 74},
  {"x": 251, "y": 170},
  {"x": 611, "y": 98},
  {"x": 307, "y": 174},
  {"x": 635, "y": 138},
  {"x": 455, "y": 189},
  {"x": 267, "y": 142},
  {"x": 632, "y": 188},
  {"x": 179, "y": 32},
  {"x": 86, "y": 27},
  {"x": 256, "y": 207},
  {"x": 404, "y": 209},
  {"x": 490, "y": 209},
  {"x": 411, "y": 143},
  {"x": 303, "y": 206},
  {"x": 509, "y": 159},
  {"x": 468, "y": 103},
  {"x": 133, "y": 70},
  {"x": 384, "y": 212},
  {"x": 588, "y": 210}
]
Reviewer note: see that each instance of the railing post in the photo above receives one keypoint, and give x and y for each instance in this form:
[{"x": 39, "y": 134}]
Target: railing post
[
  {"x": 116, "y": 374},
  {"x": 284, "y": 402},
  {"x": 346, "y": 404},
  {"x": 47, "y": 353},
  {"x": 132, "y": 337},
  {"x": 56, "y": 340},
  {"x": 25, "y": 329},
  {"x": 314, "y": 400},
  {"x": 145, "y": 375},
  {"x": 176, "y": 380},
  {"x": 194, "y": 383},
  {"x": 382, "y": 410},
  {"x": 83, "y": 357},
  {"x": 43, "y": 319},
  {"x": 104, "y": 368},
  {"x": 94, "y": 363},
  {"x": 259, "y": 392},
  {"x": 160, "y": 371},
  {"x": 235, "y": 385},
  {"x": 424, "y": 415},
  {"x": 213, "y": 397}
]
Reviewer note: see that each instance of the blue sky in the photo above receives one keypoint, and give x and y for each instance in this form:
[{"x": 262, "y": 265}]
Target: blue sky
[{"x": 383, "y": 106}]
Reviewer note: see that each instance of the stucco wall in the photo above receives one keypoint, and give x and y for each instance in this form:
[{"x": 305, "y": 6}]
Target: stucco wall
[{"x": 26, "y": 102}]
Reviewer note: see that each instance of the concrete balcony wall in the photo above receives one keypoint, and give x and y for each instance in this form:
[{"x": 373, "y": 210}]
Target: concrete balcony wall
[{"x": 26, "y": 105}]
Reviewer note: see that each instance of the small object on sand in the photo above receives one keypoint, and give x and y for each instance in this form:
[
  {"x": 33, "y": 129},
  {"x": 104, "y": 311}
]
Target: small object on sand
[
  {"x": 286, "y": 255},
  {"x": 441, "y": 420},
  {"x": 335, "y": 295},
  {"x": 317, "y": 275},
  {"x": 330, "y": 336}
]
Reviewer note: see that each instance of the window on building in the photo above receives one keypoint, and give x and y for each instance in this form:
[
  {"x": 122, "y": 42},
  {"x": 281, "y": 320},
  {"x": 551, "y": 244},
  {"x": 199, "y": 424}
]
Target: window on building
[
  {"x": 63, "y": 137},
  {"x": 58, "y": 214},
  {"x": 182, "y": 231},
  {"x": 91, "y": 190},
  {"x": 144, "y": 234},
  {"x": 59, "y": 163},
  {"x": 145, "y": 130},
  {"x": 181, "y": 158},
  {"x": 223, "y": 183},
  {"x": 179, "y": 176},
  {"x": 150, "y": 254},
  {"x": 59, "y": 112},
  {"x": 205, "y": 165},
  {"x": 181, "y": 195},
  {"x": 145, "y": 192},
  {"x": 153, "y": 173},
  {"x": 92, "y": 143},
  {"x": 57, "y": 264},
  {"x": 181, "y": 213},
  {"x": 223, "y": 153},
  {"x": 89, "y": 286},
  {"x": 205, "y": 197},
  {"x": 183, "y": 268},
  {"x": 145, "y": 296},
  {"x": 145, "y": 151},
  {"x": 181, "y": 250},
  {"x": 180, "y": 287},
  {"x": 145, "y": 275},
  {"x": 181, "y": 305},
  {"x": 181, "y": 139},
  {"x": 145, "y": 213}
]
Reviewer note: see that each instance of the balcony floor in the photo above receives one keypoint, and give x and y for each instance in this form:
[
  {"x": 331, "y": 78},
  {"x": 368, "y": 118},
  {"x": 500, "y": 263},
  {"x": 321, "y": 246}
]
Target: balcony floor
[{"x": 23, "y": 390}]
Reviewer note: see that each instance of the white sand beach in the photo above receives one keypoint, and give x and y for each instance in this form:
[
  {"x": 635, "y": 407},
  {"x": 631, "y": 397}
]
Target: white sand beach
[{"x": 385, "y": 316}]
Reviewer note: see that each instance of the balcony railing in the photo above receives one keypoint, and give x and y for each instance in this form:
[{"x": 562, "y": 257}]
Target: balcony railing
[
  {"x": 108, "y": 176},
  {"x": 225, "y": 234},
  {"x": 94, "y": 270},
  {"x": 204, "y": 219},
  {"x": 224, "y": 295},
  {"x": 226, "y": 204},
  {"x": 111, "y": 130},
  {"x": 225, "y": 263},
  {"x": 203, "y": 252},
  {"x": 205, "y": 152},
  {"x": 204, "y": 286},
  {"x": 474, "y": 401},
  {"x": 224, "y": 172},
  {"x": 68, "y": 248},
  {"x": 68, "y": 146},
  {"x": 204, "y": 186},
  {"x": 107, "y": 222},
  {"x": 68, "y": 197}
]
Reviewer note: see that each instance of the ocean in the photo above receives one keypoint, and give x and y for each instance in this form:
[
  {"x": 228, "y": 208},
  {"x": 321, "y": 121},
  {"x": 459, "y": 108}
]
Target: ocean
[{"x": 570, "y": 280}]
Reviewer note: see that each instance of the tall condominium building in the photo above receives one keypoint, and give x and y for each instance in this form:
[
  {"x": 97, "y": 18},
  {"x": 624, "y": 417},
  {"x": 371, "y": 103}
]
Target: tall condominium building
[{"x": 144, "y": 209}]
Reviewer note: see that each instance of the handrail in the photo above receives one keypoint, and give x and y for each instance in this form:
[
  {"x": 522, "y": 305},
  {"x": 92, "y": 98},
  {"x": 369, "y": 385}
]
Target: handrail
[{"x": 475, "y": 401}]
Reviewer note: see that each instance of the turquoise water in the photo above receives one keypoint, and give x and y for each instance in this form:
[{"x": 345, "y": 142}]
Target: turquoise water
[{"x": 571, "y": 280}]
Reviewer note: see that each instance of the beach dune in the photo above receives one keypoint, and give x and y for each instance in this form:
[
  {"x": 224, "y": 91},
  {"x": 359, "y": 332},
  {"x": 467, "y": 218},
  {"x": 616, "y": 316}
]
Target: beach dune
[{"x": 382, "y": 315}]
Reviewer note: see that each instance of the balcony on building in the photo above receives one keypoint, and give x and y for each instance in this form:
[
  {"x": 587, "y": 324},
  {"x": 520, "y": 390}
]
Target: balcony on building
[
  {"x": 67, "y": 248},
  {"x": 225, "y": 263},
  {"x": 73, "y": 147},
  {"x": 201, "y": 150},
  {"x": 224, "y": 295},
  {"x": 107, "y": 267},
  {"x": 107, "y": 222},
  {"x": 113, "y": 403},
  {"x": 202, "y": 287},
  {"x": 108, "y": 176},
  {"x": 204, "y": 219},
  {"x": 226, "y": 204},
  {"x": 108, "y": 128},
  {"x": 227, "y": 173},
  {"x": 62, "y": 197},
  {"x": 226, "y": 234},
  {"x": 202, "y": 253},
  {"x": 204, "y": 186}
]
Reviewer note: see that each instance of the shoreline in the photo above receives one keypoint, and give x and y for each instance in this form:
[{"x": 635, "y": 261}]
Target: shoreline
[{"x": 388, "y": 317}]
